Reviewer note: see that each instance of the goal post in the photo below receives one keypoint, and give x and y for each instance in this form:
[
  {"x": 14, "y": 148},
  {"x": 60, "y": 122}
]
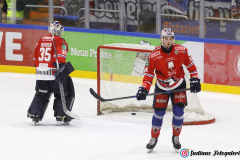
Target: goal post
[{"x": 120, "y": 71}]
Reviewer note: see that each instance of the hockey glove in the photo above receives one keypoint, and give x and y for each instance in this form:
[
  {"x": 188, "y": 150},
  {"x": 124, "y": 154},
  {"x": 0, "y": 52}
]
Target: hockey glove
[
  {"x": 62, "y": 74},
  {"x": 142, "y": 93},
  {"x": 195, "y": 85}
]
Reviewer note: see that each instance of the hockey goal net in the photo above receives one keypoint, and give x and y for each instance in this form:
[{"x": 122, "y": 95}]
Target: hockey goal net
[{"x": 120, "y": 71}]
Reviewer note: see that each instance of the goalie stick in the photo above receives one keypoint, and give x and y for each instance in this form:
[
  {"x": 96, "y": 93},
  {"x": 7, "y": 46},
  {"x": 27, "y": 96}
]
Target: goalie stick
[
  {"x": 65, "y": 110},
  {"x": 127, "y": 97}
]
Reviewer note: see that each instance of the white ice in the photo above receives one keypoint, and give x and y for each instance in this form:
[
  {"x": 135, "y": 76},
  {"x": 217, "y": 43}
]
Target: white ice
[{"x": 110, "y": 137}]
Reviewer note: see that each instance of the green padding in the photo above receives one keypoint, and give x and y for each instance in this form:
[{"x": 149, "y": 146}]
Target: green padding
[
  {"x": 112, "y": 61},
  {"x": 82, "y": 47}
]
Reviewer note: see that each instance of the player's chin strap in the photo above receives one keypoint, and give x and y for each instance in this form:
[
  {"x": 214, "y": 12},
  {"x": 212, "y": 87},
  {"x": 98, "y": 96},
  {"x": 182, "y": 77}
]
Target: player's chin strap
[{"x": 66, "y": 111}]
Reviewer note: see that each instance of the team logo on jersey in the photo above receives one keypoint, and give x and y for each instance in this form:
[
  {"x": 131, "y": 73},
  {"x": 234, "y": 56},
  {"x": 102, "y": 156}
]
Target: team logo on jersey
[
  {"x": 147, "y": 63},
  {"x": 64, "y": 47},
  {"x": 170, "y": 65},
  {"x": 237, "y": 65},
  {"x": 176, "y": 52}
]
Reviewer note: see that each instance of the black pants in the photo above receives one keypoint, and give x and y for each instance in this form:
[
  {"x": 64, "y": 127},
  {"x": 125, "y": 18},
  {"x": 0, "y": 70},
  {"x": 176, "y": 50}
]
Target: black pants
[{"x": 44, "y": 89}]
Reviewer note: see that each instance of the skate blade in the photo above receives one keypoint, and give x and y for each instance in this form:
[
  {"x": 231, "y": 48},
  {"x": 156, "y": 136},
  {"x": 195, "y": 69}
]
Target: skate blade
[
  {"x": 149, "y": 150},
  {"x": 60, "y": 123}
]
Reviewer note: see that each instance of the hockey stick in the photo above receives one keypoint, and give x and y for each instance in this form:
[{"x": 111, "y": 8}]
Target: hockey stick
[
  {"x": 65, "y": 110},
  {"x": 119, "y": 98}
]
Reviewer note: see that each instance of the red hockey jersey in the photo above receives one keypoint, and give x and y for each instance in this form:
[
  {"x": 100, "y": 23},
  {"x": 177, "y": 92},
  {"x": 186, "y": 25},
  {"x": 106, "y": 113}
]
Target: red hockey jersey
[
  {"x": 168, "y": 67},
  {"x": 44, "y": 56}
]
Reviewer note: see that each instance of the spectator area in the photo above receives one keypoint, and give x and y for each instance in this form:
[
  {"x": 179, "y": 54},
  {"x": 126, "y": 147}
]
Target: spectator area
[{"x": 39, "y": 16}]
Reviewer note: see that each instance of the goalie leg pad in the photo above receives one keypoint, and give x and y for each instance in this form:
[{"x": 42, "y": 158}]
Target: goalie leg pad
[
  {"x": 157, "y": 121},
  {"x": 69, "y": 97},
  {"x": 62, "y": 74},
  {"x": 57, "y": 106},
  {"x": 39, "y": 105},
  {"x": 177, "y": 121},
  {"x": 41, "y": 99}
]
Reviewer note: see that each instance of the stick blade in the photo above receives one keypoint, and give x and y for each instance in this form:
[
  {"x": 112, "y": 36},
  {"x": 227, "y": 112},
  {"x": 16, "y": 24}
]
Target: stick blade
[
  {"x": 69, "y": 113},
  {"x": 94, "y": 94},
  {"x": 75, "y": 116}
]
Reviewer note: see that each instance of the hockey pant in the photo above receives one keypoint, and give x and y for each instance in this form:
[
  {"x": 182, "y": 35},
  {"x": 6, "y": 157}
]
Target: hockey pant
[
  {"x": 44, "y": 89},
  {"x": 179, "y": 101}
]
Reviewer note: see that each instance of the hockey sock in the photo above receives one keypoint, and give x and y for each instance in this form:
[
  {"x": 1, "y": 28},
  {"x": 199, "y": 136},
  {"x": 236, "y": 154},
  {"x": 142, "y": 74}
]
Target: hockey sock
[
  {"x": 157, "y": 121},
  {"x": 177, "y": 121}
]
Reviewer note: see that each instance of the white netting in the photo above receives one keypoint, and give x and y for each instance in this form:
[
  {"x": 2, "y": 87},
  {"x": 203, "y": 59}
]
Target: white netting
[{"x": 121, "y": 74}]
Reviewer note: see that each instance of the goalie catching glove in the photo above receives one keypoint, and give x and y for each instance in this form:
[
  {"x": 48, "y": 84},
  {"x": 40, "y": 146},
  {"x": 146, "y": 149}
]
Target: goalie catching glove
[
  {"x": 195, "y": 85},
  {"x": 64, "y": 71},
  {"x": 142, "y": 93}
]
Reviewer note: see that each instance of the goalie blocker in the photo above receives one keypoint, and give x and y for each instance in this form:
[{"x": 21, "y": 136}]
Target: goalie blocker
[{"x": 64, "y": 71}]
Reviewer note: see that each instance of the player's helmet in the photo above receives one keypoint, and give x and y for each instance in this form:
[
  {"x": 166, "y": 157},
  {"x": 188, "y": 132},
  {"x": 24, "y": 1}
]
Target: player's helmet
[
  {"x": 167, "y": 32},
  {"x": 56, "y": 28}
]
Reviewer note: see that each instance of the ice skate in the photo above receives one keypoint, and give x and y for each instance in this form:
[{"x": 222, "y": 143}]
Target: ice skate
[
  {"x": 151, "y": 144},
  {"x": 176, "y": 143},
  {"x": 62, "y": 121},
  {"x": 34, "y": 118}
]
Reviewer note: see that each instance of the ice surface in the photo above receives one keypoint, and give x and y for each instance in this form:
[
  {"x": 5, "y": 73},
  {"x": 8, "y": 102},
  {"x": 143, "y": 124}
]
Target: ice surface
[{"x": 109, "y": 137}]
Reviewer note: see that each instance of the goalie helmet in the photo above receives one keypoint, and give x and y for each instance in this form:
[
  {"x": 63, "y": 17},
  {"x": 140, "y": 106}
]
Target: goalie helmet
[
  {"x": 56, "y": 28},
  {"x": 167, "y": 32}
]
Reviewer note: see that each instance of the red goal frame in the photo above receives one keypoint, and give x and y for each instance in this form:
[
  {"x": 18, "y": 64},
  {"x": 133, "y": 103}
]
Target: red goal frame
[
  {"x": 136, "y": 50},
  {"x": 98, "y": 67}
]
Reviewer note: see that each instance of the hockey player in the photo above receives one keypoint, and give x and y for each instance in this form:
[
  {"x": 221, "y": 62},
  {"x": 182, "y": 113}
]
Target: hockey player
[
  {"x": 166, "y": 63},
  {"x": 47, "y": 76}
]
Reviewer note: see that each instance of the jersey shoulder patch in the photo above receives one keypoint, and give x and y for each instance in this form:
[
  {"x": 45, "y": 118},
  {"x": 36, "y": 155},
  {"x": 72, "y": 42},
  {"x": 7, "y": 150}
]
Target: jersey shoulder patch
[
  {"x": 179, "y": 47},
  {"x": 64, "y": 46},
  {"x": 157, "y": 48},
  {"x": 155, "y": 54}
]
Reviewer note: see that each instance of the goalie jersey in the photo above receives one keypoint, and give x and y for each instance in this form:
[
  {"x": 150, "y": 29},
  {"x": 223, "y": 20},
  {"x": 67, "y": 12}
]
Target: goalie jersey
[
  {"x": 44, "y": 56},
  {"x": 168, "y": 67}
]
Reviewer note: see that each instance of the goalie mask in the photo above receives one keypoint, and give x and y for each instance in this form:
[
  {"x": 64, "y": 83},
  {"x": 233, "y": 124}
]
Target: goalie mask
[
  {"x": 56, "y": 28},
  {"x": 167, "y": 32}
]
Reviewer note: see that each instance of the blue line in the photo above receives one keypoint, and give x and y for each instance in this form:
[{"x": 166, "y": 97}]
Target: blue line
[{"x": 122, "y": 33}]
